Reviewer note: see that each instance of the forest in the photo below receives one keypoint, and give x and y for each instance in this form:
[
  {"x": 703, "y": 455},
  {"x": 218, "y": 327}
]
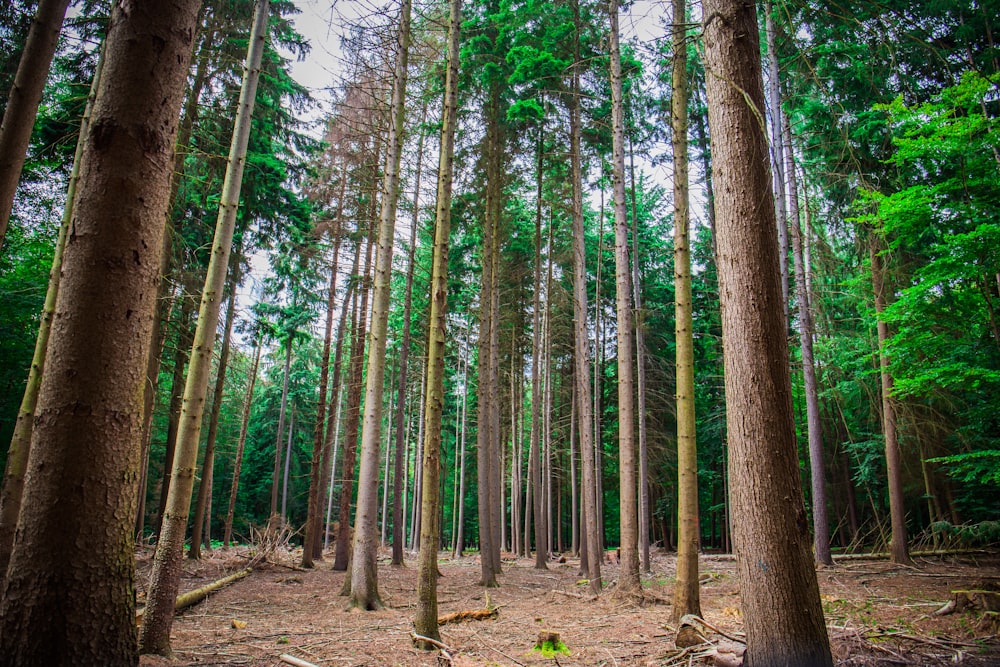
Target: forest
[{"x": 628, "y": 283}]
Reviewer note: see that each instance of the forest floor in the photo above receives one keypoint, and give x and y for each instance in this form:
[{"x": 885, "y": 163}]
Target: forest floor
[{"x": 877, "y": 614}]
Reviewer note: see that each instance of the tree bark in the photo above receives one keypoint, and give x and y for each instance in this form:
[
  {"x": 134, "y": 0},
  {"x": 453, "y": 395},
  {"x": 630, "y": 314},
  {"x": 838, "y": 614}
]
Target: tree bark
[
  {"x": 589, "y": 538},
  {"x": 71, "y": 601},
  {"x": 628, "y": 578},
  {"x": 687, "y": 599},
  {"x": 364, "y": 570},
  {"x": 426, "y": 620},
  {"x": 274, "y": 521},
  {"x": 227, "y": 532},
  {"x": 777, "y": 152},
  {"x": 20, "y": 444},
  {"x": 781, "y": 605},
  {"x": 894, "y": 469},
  {"x": 205, "y": 488},
  {"x": 24, "y": 98},
  {"x": 534, "y": 472},
  {"x": 165, "y": 579}
]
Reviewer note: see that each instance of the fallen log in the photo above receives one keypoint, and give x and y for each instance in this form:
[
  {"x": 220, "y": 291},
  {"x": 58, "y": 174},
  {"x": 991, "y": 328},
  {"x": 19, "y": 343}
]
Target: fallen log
[
  {"x": 979, "y": 600},
  {"x": 292, "y": 660},
  {"x": 468, "y": 615},
  {"x": 185, "y": 600}
]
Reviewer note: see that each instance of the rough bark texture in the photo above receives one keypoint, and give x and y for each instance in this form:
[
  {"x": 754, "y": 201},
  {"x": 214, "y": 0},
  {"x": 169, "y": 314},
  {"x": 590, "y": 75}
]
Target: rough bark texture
[
  {"x": 426, "y": 620},
  {"x": 628, "y": 579},
  {"x": 364, "y": 570},
  {"x": 20, "y": 443},
  {"x": 686, "y": 595},
  {"x": 781, "y": 606},
  {"x": 275, "y": 518},
  {"x": 71, "y": 601},
  {"x": 899, "y": 547},
  {"x": 24, "y": 98},
  {"x": 534, "y": 472},
  {"x": 165, "y": 578},
  {"x": 777, "y": 156}
]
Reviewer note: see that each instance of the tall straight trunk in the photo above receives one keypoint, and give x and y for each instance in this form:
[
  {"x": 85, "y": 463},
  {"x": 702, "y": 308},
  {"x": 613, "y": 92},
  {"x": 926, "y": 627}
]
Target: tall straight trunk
[
  {"x": 383, "y": 516},
  {"x": 898, "y": 547},
  {"x": 418, "y": 472},
  {"x": 821, "y": 523},
  {"x": 589, "y": 538},
  {"x": 358, "y": 335},
  {"x": 781, "y": 605},
  {"x": 516, "y": 482},
  {"x": 460, "y": 536},
  {"x": 425, "y": 622},
  {"x": 404, "y": 353},
  {"x": 165, "y": 579},
  {"x": 687, "y": 599},
  {"x": 24, "y": 98},
  {"x": 181, "y": 356},
  {"x": 227, "y": 532},
  {"x": 205, "y": 488},
  {"x": 88, "y": 421},
  {"x": 536, "y": 372},
  {"x": 275, "y": 519},
  {"x": 364, "y": 570},
  {"x": 288, "y": 465},
  {"x": 777, "y": 148},
  {"x": 495, "y": 448},
  {"x": 328, "y": 461},
  {"x": 628, "y": 579},
  {"x": 319, "y": 430},
  {"x": 547, "y": 402},
  {"x": 574, "y": 499},
  {"x": 12, "y": 489},
  {"x": 640, "y": 377}
]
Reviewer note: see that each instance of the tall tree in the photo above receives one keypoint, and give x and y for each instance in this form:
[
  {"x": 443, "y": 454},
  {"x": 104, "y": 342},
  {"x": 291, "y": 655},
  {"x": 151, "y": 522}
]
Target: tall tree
[
  {"x": 12, "y": 489},
  {"x": 227, "y": 531},
  {"x": 686, "y": 595},
  {"x": 784, "y": 617},
  {"x": 628, "y": 578},
  {"x": 165, "y": 579},
  {"x": 24, "y": 98},
  {"x": 426, "y": 620},
  {"x": 364, "y": 569},
  {"x": 72, "y": 601}
]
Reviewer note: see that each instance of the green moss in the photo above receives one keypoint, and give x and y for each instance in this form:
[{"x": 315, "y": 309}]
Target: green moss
[{"x": 551, "y": 649}]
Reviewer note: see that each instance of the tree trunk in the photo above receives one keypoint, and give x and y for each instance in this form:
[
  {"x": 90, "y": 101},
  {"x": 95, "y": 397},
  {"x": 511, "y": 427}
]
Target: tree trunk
[
  {"x": 777, "y": 157},
  {"x": 821, "y": 524},
  {"x": 20, "y": 444},
  {"x": 628, "y": 578},
  {"x": 460, "y": 535},
  {"x": 205, "y": 488},
  {"x": 425, "y": 622},
  {"x": 288, "y": 464},
  {"x": 316, "y": 468},
  {"x": 536, "y": 373},
  {"x": 780, "y": 594},
  {"x": 71, "y": 601},
  {"x": 275, "y": 519},
  {"x": 358, "y": 335},
  {"x": 687, "y": 599},
  {"x": 894, "y": 470},
  {"x": 165, "y": 579},
  {"x": 24, "y": 98},
  {"x": 240, "y": 444},
  {"x": 364, "y": 570},
  {"x": 589, "y": 538}
]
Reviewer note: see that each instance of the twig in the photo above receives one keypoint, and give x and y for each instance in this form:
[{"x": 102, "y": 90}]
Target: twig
[{"x": 433, "y": 642}]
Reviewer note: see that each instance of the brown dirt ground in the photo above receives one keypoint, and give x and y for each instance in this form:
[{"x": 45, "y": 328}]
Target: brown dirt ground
[{"x": 877, "y": 614}]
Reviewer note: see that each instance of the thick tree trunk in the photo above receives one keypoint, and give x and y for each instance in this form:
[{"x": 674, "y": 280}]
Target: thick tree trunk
[
  {"x": 589, "y": 537},
  {"x": 687, "y": 599},
  {"x": 71, "y": 601},
  {"x": 227, "y": 532},
  {"x": 205, "y": 488},
  {"x": 20, "y": 444},
  {"x": 894, "y": 469},
  {"x": 426, "y": 620},
  {"x": 780, "y": 594},
  {"x": 364, "y": 570},
  {"x": 24, "y": 98},
  {"x": 288, "y": 463},
  {"x": 628, "y": 578},
  {"x": 165, "y": 579},
  {"x": 534, "y": 472}
]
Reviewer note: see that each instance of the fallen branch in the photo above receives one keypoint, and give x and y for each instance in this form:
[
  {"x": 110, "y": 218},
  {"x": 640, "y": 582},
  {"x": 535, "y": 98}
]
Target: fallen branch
[
  {"x": 433, "y": 642},
  {"x": 691, "y": 617},
  {"x": 292, "y": 660},
  {"x": 190, "y": 598},
  {"x": 468, "y": 615}
]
